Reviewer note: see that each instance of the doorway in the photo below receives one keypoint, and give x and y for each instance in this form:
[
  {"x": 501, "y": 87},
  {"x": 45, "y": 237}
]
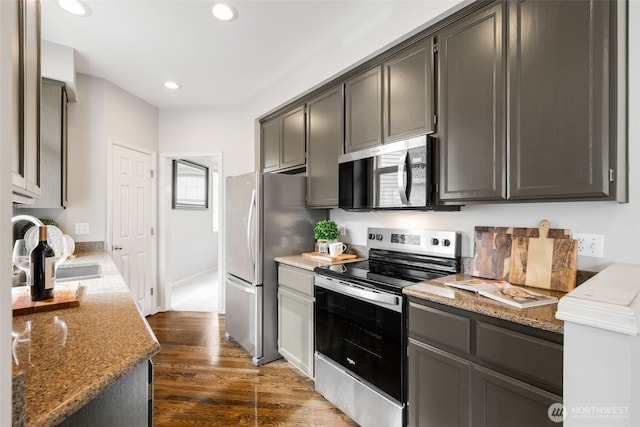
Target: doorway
[{"x": 190, "y": 240}]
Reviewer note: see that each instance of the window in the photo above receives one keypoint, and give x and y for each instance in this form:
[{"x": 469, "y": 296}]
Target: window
[{"x": 190, "y": 185}]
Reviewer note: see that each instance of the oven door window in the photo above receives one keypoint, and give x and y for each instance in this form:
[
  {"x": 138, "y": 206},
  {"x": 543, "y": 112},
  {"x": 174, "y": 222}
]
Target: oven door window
[{"x": 361, "y": 337}]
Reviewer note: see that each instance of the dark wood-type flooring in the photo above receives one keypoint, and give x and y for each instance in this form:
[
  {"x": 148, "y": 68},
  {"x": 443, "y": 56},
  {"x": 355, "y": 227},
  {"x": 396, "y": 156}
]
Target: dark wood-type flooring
[{"x": 202, "y": 379}]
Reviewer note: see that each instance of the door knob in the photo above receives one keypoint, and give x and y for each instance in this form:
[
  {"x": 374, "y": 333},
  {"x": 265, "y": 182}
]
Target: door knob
[{"x": 117, "y": 248}]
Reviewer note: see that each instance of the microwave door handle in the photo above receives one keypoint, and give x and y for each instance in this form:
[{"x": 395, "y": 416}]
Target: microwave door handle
[
  {"x": 402, "y": 189},
  {"x": 252, "y": 207}
]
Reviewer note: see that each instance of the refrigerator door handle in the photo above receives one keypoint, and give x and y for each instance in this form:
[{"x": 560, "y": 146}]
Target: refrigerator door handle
[
  {"x": 249, "y": 224},
  {"x": 241, "y": 285}
]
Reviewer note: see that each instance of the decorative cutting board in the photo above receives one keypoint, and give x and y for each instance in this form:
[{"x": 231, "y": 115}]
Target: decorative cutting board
[
  {"x": 64, "y": 297},
  {"x": 544, "y": 261},
  {"x": 492, "y": 250},
  {"x": 328, "y": 258},
  {"x": 496, "y": 248}
]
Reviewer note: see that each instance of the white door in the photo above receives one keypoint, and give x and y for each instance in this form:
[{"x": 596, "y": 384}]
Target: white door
[{"x": 131, "y": 213}]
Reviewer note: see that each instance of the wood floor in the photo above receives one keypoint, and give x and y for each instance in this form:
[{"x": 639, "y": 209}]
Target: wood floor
[{"x": 202, "y": 379}]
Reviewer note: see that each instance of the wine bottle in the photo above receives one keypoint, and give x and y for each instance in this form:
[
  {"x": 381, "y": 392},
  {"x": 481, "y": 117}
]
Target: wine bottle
[{"x": 42, "y": 260}]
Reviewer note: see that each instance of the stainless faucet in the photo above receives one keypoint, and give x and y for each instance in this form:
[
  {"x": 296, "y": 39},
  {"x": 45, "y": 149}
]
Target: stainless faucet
[{"x": 33, "y": 219}]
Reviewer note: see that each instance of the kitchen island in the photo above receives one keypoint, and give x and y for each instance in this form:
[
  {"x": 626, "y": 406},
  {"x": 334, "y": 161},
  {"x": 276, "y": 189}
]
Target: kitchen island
[{"x": 82, "y": 357}]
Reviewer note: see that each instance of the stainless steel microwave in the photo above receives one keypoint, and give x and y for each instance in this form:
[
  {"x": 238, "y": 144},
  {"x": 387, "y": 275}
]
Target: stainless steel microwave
[{"x": 399, "y": 175}]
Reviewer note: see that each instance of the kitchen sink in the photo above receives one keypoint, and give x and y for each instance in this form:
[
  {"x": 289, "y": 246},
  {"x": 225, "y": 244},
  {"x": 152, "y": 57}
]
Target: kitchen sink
[{"x": 78, "y": 272}]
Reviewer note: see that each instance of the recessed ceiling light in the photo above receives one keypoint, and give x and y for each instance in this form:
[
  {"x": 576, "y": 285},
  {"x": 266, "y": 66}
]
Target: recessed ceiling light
[
  {"x": 75, "y": 7},
  {"x": 171, "y": 85},
  {"x": 224, "y": 12}
]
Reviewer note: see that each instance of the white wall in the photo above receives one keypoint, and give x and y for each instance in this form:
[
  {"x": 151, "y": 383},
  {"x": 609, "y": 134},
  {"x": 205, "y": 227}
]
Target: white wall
[
  {"x": 104, "y": 112},
  {"x": 208, "y": 130},
  {"x": 194, "y": 236}
]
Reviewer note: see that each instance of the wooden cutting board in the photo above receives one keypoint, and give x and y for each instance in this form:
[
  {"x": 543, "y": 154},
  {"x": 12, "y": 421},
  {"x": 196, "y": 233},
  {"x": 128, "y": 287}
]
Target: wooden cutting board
[
  {"x": 63, "y": 297},
  {"x": 544, "y": 261},
  {"x": 328, "y": 258},
  {"x": 492, "y": 250}
]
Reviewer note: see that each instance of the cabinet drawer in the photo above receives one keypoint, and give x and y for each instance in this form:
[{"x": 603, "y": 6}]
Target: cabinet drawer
[
  {"x": 296, "y": 279},
  {"x": 439, "y": 327},
  {"x": 534, "y": 358}
]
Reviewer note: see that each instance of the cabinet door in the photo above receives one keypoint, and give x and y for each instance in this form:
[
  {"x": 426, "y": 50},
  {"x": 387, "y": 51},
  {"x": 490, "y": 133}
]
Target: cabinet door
[
  {"x": 271, "y": 144},
  {"x": 324, "y": 145},
  {"x": 363, "y": 110},
  {"x": 439, "y": 387},
  {"x": 26, "y": 177},
  {"x": 52, "y": 145},
  {"x": 501, "y": 401},
  {"x": 295, "y": 329},
  {"x": 292, "y": 145},
  {"x": 408, "y": 92},
  {"x": 471, "y": 107},
  {"x": 559, "y": 102}
]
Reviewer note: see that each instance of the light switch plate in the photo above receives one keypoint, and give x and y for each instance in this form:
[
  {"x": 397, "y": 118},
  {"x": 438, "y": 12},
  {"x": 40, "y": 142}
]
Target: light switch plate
[{"x": 82, "y": 228}]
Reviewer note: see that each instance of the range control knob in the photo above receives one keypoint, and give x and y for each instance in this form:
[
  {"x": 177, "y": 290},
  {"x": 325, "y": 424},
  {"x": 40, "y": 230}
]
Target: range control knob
[
  {"x": 378, "y": 236},
  {"x": 372, "y": 236},
  {"x": 446, "y": 242},
  {"x": 435, "y": 241}
]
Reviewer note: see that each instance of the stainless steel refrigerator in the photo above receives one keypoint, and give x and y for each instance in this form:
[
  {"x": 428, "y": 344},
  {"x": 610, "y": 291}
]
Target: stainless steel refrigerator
[{"x": 266, "y": 217}]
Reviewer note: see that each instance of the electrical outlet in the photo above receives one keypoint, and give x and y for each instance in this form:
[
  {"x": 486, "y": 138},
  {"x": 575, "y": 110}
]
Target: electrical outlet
[
  {"x": 342, "y": 230},
  {"x": 82, "y": 228},
  {"x": 591, "y": 245}
]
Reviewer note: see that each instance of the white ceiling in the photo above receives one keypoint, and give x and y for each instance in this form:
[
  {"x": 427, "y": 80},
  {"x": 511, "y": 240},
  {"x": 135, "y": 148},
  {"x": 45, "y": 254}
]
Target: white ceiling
[{"x": 139, "y": 44}]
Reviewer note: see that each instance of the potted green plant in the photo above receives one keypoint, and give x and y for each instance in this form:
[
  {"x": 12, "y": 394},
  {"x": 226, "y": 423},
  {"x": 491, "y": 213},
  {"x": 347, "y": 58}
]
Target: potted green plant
[{"x": 324, "y": 232}]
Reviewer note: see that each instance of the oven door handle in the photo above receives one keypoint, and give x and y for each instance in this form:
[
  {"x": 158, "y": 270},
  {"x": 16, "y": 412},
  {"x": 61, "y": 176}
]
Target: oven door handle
[{"x": 345, "y": 288}]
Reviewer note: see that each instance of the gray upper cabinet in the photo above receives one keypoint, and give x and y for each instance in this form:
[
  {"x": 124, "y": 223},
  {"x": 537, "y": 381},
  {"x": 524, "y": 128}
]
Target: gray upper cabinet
[
  {"x": 559, "y": 104},
  {"x": 270, "y": 135},
  {"x": 53, "y": 145},
  {"x": 471, "y": 107},
  {"x": 408, "y": 92},
  {"x": 293, "y": 139},
  {"x": 324, "y": 146},
  {"x": 548, "y": 132},
  {"x": 283, "y": 141},
  {"x": 363, "y": 110},
  {"x": 26, "y": 162}
]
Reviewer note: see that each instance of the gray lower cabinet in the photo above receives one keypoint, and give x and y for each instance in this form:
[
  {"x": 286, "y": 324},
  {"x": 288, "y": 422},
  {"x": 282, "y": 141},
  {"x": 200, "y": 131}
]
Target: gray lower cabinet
[
  {"x": 408, "y": 92},
  {"x": 283, "y": 141},
  {"x": 363, "y": 110},
  {"x": 295, "y": 317},
  {"x": 127, "y": 402},
  {"x": 439, "y": 386},
  {"x": 466, "y": 369},
  {"x": 501, "y": 401},
  {"x": 546, "y": 133},
  {"x": 325, "y": 136}
]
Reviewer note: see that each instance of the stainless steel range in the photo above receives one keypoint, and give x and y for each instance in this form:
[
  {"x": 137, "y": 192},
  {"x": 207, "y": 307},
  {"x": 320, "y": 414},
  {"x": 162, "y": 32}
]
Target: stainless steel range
[{"x": 360, "y": 325}]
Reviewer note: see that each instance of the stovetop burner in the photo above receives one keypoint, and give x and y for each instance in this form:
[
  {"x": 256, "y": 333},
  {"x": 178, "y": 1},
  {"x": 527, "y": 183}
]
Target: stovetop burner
[{"x": 399, "y": 258}]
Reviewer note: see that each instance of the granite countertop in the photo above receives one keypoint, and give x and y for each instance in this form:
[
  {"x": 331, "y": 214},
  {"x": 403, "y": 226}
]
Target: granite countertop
[
  {"x": 543, "y": 317},
  {"x": 106, "y": 338},
  {"x": 308, "y": 263}
]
